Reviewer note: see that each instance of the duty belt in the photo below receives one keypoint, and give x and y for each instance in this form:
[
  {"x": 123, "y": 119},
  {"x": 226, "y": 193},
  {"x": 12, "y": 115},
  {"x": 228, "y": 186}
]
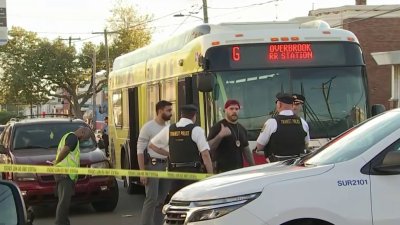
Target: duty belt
[
  {"x": 186, "y": 164},
  {"x": 154, "y": 161}
]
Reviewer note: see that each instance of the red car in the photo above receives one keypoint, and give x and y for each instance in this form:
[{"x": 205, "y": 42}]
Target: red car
[{"x": 34, "y": 141}]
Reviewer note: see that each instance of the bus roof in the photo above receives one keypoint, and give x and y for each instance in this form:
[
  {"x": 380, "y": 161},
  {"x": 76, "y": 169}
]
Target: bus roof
[{"x": 258, "y": 32}]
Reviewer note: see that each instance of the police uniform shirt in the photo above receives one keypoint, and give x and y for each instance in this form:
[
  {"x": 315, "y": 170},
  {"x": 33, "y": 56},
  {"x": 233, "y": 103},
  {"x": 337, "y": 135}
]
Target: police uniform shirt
[
  {"x": 147, "y": 132},
  {"x": 161, "y": 140},
  {"x": 271, "y": 126}
]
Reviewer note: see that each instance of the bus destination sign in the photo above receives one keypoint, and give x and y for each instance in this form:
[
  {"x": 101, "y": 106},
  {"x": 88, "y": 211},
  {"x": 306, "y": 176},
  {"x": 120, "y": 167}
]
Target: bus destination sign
[{"x": 279, "y": 52}]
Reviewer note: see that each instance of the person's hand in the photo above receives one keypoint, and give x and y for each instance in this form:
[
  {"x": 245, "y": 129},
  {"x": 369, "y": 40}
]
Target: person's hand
[
  {"x": 257, "y": 152},
  {"x": 225, "y": 131},
  {"x": 143, "y": 180},
  {"x": 51, "y": 162}
]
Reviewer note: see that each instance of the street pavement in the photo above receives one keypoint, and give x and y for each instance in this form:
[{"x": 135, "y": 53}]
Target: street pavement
[{"x": 126, "y": 213}]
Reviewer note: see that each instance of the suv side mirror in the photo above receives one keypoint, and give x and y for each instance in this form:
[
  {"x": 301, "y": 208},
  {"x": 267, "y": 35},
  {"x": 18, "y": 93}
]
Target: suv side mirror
[
  {"x": 390, "y": 164},
  {"x": 205, "y": 82},
  {"x": 377, "y": 109},
  {"x": 12, "y": 207}
]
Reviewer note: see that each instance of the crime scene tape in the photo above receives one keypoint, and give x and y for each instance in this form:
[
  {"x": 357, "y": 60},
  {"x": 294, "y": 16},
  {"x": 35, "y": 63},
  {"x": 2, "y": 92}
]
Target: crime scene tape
[{"x": 16, "y": 168}]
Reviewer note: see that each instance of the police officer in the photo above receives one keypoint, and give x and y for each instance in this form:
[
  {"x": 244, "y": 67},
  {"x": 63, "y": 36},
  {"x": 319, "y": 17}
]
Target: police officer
[
  {"x": 68, "y": 155},
  {"x": 185, "y": 144},
  {"x": 286, "y": 135},
  {"x": 156, "y": 189},
  {"x": 298, "y": 102}
]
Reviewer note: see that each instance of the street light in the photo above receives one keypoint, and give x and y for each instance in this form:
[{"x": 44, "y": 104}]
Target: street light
[{"x": 190, "y": 15}]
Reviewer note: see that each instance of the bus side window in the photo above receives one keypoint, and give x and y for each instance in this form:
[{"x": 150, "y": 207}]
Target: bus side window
[
  {"x": 117, "y": 108},
  {"x": 169, "y": 94},
  {"x": 153, "y": 96}
]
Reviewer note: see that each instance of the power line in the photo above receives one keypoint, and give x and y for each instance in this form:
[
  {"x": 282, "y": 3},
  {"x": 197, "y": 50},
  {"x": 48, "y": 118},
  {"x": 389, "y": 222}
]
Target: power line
[
  {"x": 364, "y": 13},
  {"x": 245, "y": 6},
  {"x": 370, "y": 17},
  {"x": 179, "y": 26}
]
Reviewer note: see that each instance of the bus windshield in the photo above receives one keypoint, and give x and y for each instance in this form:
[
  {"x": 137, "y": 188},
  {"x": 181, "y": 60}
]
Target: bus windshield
[{"x": 335, "y": 96}]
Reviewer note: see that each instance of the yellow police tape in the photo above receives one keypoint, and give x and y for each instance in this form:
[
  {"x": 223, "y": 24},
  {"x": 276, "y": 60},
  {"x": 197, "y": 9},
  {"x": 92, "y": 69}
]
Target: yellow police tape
[{"x": 14, "y": 168}]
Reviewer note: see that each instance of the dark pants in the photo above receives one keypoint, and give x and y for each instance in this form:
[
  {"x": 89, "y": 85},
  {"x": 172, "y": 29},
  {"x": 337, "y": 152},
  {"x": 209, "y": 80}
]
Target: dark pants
[
  {"x": 156, "y": 192},
  {"x": 179, "y": 184},
  {"x": 65, "y": 188},
  {"x": 106, "y": 144}
]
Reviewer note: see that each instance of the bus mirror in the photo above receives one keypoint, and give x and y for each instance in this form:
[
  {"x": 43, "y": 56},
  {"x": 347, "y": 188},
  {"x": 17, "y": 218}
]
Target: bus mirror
[
  {"x": 205, "y": 82},
  {"x": 377, "y": 109}
]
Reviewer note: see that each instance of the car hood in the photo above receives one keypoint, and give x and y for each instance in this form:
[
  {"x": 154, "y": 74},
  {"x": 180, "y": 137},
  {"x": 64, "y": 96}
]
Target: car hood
[
  {"x": 40, "y": 156},
  {"x": 245, "y": 181}
]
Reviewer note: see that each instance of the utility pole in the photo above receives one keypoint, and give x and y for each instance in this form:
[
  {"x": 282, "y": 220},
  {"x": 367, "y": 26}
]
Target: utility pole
[
  {"x": 106, "y": 33},
  {"x": 70, "y": 39},
  {"x": 205, "y": 13},
  {"x": 94, "y": 88}
]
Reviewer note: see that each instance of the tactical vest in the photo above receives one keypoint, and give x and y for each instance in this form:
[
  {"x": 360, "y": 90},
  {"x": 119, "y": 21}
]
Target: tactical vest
[
  {"x": 289, "y": 137},
  {"x": 182, "y": 148},
  {"x": 72, "y": 159}
]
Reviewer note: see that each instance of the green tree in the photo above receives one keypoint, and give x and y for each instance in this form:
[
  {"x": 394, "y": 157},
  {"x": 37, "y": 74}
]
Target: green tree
[
  {"x": 64, "y": 69},
  {"x": 133, "y": 29},
  {"x": 20, "y": 82}
]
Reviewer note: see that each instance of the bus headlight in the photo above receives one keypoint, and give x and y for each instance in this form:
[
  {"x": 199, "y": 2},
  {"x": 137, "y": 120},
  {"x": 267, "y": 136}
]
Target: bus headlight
[{"x": 216, "y": 208}]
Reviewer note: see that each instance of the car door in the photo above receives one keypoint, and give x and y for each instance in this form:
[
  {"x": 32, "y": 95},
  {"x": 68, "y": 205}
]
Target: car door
[
  {"x": 4, "y": 151},
  {"x": 385, "y": 186}
]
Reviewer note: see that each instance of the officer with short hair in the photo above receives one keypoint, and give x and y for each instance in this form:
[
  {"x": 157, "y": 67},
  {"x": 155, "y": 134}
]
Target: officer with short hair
[
  {"x": 298, "y": 102},
  {"x": 185, "y": 144},
  {"x": 284, "y": 136}
]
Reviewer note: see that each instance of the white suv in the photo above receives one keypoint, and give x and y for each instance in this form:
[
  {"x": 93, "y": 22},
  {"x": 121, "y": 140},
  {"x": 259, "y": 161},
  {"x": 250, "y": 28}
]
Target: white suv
[{"x": 353, "y": 180}]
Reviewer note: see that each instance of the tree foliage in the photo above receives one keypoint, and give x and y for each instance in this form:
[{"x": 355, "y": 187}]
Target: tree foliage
[
  {"x": 132, "y": 29},
  {"x": 32, "y": 69}
]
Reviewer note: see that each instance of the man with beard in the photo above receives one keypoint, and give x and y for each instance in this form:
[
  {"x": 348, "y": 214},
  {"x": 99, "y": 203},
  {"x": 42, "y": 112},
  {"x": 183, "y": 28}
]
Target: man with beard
[
  {"x": 156, "y": 189},
  {"x": 228, "y": 140}
]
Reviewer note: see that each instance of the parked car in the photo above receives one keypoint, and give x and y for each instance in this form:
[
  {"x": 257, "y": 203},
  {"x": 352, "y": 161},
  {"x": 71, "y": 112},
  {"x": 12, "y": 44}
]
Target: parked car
[
  {"x": 35, "y": 141},
  {"x": 354, "y": 179}
]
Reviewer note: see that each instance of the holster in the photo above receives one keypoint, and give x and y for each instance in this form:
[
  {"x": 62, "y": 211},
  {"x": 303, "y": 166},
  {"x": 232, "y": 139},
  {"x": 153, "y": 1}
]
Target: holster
[{"x": 147, "y": 158}]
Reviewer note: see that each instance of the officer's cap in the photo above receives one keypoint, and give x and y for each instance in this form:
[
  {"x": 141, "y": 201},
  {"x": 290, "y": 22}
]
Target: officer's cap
[
  {"x": 285, "y": 98},
  {"x": 189, "y": 109},
  {"x": 299, "y": 98}
]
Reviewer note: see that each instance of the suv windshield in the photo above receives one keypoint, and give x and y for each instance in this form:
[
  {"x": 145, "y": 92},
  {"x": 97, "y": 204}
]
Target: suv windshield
[
  {"x": 357, "y": 140},
  {"x": 46, "y": 136}
]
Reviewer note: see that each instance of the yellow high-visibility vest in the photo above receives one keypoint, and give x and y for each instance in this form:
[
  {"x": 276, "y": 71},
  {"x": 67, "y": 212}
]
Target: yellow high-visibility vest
[{"x": 72, "y": 159}]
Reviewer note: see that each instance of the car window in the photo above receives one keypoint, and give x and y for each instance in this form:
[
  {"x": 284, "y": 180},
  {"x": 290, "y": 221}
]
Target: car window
[
  {"x": 5, "y": 137},
  {"x": 46, "y": 136},
  {"x": 8, "y": 212},
  {"x": 357, "y": 140}
]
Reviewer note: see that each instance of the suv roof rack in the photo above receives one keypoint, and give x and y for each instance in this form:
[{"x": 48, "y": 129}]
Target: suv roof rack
[{"x": 18, "y": 118}]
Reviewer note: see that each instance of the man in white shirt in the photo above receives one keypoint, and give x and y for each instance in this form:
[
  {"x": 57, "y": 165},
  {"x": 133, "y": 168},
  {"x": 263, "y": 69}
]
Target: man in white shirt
[
  {"x": 185, "y": 144},
  {"x": 286, "y": 135},
  {"x": 156, "y": 189}
]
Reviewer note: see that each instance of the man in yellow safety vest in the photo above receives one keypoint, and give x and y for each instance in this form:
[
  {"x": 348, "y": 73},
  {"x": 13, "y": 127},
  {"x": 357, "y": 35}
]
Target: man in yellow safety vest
[{"x": 68, "y": 155}]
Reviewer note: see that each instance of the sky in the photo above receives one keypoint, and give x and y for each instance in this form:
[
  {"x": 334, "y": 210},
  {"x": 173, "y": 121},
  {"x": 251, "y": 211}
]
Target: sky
[{"x": 80, "y": 18}]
